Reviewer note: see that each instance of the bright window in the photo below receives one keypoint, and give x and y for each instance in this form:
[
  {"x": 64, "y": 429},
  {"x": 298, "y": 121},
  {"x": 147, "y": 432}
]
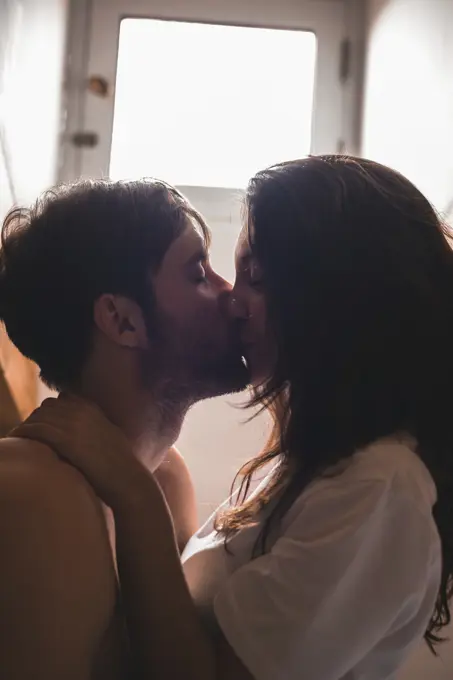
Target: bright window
[{"x": 209, "y": 105}]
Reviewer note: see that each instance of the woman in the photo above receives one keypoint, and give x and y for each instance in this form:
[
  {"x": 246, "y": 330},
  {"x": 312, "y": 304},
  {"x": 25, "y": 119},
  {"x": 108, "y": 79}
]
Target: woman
[{"x": 342, "y": 559}]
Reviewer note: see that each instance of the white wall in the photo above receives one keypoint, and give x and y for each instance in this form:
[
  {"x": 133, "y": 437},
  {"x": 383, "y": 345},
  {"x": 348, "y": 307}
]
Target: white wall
[
  {"x": 408, "y": 106},
  {"x": 32, "y": 39},
  {"x": 408, "y": 124}
]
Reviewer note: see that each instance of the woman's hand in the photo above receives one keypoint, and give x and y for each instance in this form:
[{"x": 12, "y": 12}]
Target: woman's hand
[{"x": 79, "y": 432}]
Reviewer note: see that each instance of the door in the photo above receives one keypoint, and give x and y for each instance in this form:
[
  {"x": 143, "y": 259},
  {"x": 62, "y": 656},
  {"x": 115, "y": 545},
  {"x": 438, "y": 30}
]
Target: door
[{"x": 204, "y": 94}]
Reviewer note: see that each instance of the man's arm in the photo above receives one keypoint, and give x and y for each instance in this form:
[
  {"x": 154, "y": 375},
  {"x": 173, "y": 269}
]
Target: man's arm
[{"x": 57, "y": 587}]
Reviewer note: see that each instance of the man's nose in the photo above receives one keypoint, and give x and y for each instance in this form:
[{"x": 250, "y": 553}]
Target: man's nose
[
  {"x": 224, "y": 300},
  {"x": 223, "y": 286}
]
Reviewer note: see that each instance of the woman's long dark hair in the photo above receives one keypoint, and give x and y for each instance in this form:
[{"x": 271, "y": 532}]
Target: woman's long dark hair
[{"x": 358, "y": 276}]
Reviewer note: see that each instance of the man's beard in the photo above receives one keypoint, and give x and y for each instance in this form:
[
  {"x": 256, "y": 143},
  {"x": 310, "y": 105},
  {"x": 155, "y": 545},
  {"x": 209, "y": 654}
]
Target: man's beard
[{"x": 183, "y": 367}]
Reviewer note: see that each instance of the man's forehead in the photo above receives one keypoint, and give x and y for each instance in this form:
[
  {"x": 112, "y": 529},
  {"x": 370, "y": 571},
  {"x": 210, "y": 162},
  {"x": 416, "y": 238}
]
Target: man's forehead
[
  {"x": 190, "y": 243},
  {"x": 202, "y": 236},
  {"x": 194, "y": 237}
]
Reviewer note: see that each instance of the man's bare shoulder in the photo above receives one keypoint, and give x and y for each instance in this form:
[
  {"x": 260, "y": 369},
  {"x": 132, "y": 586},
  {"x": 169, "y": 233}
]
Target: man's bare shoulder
[
  {"x": 38, "y": 490},
  {"x": 56, "y": 565}
]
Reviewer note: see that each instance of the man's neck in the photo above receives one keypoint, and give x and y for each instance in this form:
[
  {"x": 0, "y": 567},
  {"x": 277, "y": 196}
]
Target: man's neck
[{"x": 152, "y": 426}]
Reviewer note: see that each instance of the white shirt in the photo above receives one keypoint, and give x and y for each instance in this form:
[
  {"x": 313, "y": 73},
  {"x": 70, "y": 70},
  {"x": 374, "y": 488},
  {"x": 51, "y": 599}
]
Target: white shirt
[{"x": 349, "y": 583}]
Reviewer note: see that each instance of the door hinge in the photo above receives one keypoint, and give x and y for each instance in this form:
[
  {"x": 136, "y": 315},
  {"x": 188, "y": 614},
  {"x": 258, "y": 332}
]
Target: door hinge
[
  {"x": 85, "y": 140},
  {"x": 345, "y": 60}
]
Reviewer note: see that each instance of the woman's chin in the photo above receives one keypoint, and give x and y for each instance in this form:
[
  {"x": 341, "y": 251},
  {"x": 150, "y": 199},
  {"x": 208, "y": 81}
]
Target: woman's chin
[
  {"x": 259, "y": 375},
  {"x": 260, "y": 363}
]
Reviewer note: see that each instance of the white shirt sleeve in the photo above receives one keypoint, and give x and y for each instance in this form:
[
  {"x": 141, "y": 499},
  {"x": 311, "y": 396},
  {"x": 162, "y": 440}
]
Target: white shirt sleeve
[{"x": 351, "y": 565}]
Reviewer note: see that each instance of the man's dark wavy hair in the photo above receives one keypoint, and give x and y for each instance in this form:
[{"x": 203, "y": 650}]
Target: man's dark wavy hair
[{"x": 76, "y": 243}]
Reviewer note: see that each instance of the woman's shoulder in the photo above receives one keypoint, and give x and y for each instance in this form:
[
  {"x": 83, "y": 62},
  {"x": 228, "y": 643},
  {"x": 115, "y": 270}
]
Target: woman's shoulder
[
  {"x": 395, "y": 463},
  {"x": 386, "y": 472}
]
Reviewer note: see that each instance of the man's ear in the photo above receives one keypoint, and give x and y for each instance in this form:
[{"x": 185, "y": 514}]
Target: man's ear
[{"x": 121, "y": 320}]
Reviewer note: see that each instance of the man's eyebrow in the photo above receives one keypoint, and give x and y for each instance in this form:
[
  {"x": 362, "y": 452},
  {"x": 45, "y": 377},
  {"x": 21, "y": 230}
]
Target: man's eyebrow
[{"x": 200, "y": 255}]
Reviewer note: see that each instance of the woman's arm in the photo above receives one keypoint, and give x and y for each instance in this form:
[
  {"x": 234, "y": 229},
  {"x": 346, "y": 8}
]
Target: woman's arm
[
  {"x": 176, "y": 483},
  {"x": 168, "y": 638}
]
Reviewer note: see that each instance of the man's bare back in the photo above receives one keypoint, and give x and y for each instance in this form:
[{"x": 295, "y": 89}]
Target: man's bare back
[{"x": 59, "y": 604}]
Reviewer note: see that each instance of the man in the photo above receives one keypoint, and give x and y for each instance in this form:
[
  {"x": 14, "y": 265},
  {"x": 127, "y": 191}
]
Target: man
[{"x": 108, "y": 288}]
